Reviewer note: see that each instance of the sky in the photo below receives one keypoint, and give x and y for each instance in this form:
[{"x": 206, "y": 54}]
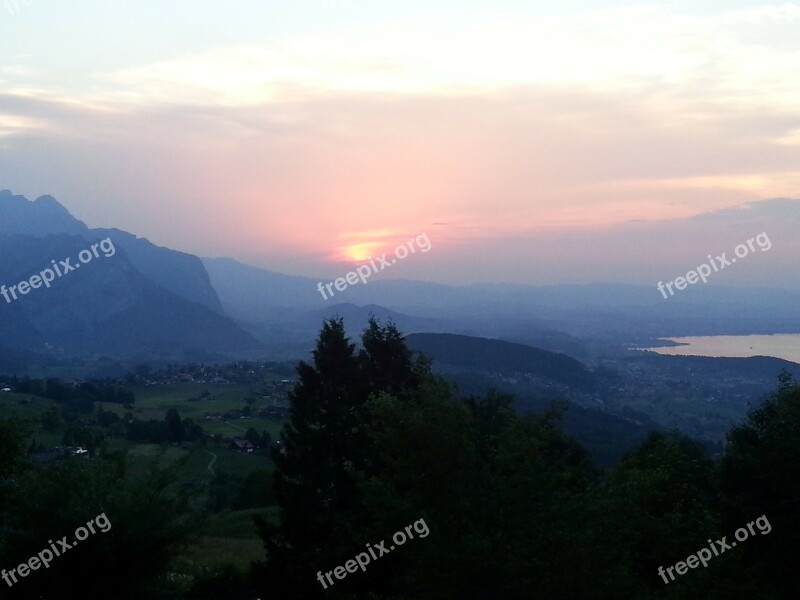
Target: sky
[{"x": 526, "y": 139}]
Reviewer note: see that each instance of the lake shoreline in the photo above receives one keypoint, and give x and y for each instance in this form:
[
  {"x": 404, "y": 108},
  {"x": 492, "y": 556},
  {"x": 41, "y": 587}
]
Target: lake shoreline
[{"x": 785, "y": 346}]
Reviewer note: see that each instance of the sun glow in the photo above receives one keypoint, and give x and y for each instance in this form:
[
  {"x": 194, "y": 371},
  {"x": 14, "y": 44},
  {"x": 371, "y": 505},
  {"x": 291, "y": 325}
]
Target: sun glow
[{"x": 360, "y": 252}]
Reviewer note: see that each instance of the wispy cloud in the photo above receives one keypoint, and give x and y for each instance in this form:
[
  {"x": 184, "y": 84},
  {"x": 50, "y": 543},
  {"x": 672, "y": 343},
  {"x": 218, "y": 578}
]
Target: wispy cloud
[
  {"x": 734, "y": 55},
  {"x": 501, "y": 127}
]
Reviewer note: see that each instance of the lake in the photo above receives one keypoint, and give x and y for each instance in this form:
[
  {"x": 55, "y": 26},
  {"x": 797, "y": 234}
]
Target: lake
[{"x": 783, "y": 345}]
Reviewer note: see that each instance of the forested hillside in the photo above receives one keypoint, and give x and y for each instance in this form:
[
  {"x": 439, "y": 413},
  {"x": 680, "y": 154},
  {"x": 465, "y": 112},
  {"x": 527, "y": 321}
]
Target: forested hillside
[{"x": 378, "y": 452}]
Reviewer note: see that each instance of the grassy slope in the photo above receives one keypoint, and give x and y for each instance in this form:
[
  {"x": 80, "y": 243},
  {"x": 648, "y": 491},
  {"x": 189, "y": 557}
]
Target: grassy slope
[
  {"x": 228, "y": 538},
  {"x": 152, "y": 402},
  {"x": 12, "y": 407}
]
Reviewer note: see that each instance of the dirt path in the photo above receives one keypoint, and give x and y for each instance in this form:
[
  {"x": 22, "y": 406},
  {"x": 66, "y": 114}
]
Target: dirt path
[{"x": 211, "y": 464}]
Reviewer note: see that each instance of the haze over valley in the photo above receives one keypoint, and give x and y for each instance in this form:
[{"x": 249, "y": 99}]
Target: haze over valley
[{"x": 399, "y": 300}]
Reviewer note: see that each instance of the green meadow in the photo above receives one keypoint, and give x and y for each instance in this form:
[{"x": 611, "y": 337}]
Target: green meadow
[
  {"x": 153, "y": 402},
  {"x": 226, "y": 539}
]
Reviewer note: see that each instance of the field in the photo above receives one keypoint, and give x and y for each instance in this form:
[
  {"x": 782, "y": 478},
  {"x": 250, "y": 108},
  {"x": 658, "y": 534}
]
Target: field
[
  {"x": 25, "y": 407},
  {"x": 153, "y": 402},
  {"x": 227, "y": 539},
  {"x": 197, "y": 464}
]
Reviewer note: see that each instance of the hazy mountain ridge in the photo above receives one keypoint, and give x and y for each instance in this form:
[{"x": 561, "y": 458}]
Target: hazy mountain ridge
[
  {"x": 285, "y": 311},
  {"x": 176, "y": 271},
  {"x": 41, "y": 217},
  {"x": 108, "y": 306},
  {"x": 764, "y": 368},
  {"x": 549, "y": 316},
  {"x": 248, "y": 293}
]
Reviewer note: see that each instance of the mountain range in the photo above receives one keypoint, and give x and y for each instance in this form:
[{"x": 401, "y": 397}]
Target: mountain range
[
  {"x": 142, "y": 301},
  {"x": 156, "y": 302}
]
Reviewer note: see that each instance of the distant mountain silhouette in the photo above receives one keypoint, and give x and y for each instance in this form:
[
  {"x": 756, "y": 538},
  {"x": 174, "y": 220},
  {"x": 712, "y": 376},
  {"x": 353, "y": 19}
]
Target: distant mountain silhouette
[
  {"x": 144, "y": 301},
  {"x": 178, "y": 272},
  {"x": 543, "y": 316},
  {"x": 357, "y": 317},
  {"x": 44, "y": 216},
  {"x": 284, "y": 311},
  {"x": 249, "y": 293}
]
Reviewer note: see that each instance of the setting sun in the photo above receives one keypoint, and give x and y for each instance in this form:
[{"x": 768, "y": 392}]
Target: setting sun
[{"x": 360, "y": 252}]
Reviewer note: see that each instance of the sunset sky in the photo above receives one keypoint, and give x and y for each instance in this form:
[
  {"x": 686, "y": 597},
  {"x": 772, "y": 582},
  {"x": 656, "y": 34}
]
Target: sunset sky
[{"x": 301, "y": 135}]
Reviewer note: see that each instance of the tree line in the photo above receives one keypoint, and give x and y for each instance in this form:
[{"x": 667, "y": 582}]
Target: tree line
[{"x": 516, "y": 508}]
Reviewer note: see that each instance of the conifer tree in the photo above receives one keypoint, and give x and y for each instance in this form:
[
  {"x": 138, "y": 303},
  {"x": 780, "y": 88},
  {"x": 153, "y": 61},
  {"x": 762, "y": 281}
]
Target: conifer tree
[
  {"x": 326, "y": 455},
  {"x": 314, "y": 483}
]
